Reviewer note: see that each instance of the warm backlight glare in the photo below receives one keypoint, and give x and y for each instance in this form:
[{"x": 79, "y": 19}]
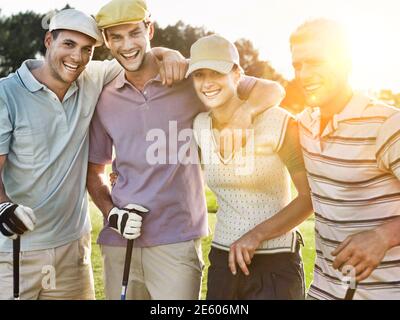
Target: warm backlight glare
[{"x": 375, "y": 53}]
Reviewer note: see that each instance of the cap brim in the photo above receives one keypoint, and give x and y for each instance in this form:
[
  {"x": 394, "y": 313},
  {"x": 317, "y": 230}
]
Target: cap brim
[{"x": 223, "y": 67}]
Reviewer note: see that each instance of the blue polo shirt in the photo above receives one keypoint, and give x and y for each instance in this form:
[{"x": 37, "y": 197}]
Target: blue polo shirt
[{"x": 46, "y": 143}]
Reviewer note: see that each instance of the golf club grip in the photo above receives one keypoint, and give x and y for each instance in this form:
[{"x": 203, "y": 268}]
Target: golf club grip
[
  {"x": 350, "y": 294},
  {"x": 16, "y": 250},
  {"x": 127, "y": 267}
]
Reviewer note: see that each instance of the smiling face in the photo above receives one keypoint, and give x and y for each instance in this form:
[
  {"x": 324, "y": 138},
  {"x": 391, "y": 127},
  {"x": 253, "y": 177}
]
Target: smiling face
[
  {"x": 129, "y": 44},
  {"x": 67, "y": 54},
  {"x": 322, "y": 69},
  {"x": 215, "y": 89}
]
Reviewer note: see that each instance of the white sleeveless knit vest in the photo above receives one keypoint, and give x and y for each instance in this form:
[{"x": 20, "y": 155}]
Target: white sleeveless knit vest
[{"x": 246, "y": 198}]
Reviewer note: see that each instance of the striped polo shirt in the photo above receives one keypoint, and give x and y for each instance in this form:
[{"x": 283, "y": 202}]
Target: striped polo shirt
[{"x": 353, "y": 170}]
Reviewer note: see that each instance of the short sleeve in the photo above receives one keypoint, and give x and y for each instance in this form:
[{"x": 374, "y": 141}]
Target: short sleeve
[
  {"x": 290, "y": 151},
  {"x": 100, "y": 143},
  {"x": 6, "y": 128},
  {"x": 104, "y": 71},
  {"x": 388, "y": 145}
]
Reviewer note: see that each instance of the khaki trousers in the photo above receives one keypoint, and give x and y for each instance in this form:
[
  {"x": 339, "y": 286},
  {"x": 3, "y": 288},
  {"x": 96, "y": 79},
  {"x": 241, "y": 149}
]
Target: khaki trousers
[
  {"x": 63, "y": 273},
  {"x": 167, "y": 272}
]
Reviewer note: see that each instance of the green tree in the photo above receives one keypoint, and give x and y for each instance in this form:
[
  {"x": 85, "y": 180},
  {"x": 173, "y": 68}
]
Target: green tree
[
  {"x": 252, "y": 65},
  {"x": 21, "y": 37},
  {"x": 178, "y": 37}
]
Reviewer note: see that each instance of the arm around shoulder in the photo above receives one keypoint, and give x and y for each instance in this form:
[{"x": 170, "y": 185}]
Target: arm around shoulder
[
  {"x": 261, "y": 94},
  {"x": 258, "y": 95},
  {"x": 265, "y": 94}
]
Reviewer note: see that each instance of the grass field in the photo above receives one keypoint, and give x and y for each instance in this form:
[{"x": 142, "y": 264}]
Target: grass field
[{"x": 308, "y": 252}]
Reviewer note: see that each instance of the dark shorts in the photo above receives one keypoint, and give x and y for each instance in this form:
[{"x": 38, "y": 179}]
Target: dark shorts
[{"x": 278, "y": 276}]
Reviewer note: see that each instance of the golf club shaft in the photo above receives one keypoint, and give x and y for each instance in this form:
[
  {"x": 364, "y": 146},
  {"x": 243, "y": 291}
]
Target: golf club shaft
[
  {"x": 16, "y": 251},
  {"x": 127, "y": 267},
  {"x": 350, "y": 293}
]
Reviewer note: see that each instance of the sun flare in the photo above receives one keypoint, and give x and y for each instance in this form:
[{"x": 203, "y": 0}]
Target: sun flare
[{"x": 372, "y": 47}]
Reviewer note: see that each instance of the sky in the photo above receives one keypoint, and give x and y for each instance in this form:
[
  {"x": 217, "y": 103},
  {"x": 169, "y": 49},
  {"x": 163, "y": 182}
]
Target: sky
[{"x": 373, "y": 26}]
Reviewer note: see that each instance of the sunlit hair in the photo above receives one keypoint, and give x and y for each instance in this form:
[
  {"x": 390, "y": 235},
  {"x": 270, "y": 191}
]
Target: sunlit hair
[
  {"x": 327, "y": 32},
  {"x": 147, "y": 22}
]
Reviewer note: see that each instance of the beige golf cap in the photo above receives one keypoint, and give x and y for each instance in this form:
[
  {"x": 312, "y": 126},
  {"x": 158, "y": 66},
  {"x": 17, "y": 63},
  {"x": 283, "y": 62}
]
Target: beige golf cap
[
  {"x": 118, "y": 12},
  {"x": 75, "y": 20},
  {"x": 213, "y": 52}
]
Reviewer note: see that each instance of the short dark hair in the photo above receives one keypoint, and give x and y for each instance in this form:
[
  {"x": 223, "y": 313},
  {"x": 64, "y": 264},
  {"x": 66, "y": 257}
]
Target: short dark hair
[
  {"x": 56, "y": 33},
  {"x": 146, "y": 23}
]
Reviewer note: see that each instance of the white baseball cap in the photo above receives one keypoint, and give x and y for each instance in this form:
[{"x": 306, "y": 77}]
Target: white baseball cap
[{"x": 75, "y": 20}]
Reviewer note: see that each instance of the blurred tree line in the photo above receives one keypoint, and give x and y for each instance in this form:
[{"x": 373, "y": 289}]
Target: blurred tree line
[
  {"x": 21, "y": 37},
  {"x": 390, "y": 97},
  {"x": 22, "y": 34}
]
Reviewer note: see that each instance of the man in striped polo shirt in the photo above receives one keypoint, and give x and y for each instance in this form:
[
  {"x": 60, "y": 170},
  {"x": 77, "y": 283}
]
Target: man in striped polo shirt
[{"x": 351, "y": 147}]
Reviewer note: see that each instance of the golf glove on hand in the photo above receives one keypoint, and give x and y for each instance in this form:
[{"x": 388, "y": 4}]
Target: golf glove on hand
[
  {"x": 15, "y": 219},
  {"x": 127, "y": 221}
]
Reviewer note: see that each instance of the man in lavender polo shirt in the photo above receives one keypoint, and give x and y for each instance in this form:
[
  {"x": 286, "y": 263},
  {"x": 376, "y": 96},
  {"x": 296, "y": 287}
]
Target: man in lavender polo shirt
[{"x": 145, "y": 122}]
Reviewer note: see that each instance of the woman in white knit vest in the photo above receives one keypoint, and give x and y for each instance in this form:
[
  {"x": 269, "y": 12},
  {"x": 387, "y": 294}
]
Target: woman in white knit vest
[{"x": 255, "y": 251}]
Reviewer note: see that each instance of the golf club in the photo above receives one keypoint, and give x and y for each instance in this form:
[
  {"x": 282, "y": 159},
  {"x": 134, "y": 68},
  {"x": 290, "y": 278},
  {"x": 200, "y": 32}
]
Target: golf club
[
  {"x": 350, "y": 292},
  {"x": 127, "y": 267},
  {"x": 16, "y": 251},
  {"x": 128, "y": 255}
]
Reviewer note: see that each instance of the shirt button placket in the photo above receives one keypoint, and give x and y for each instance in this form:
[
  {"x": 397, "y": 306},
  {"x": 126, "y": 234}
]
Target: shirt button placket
[{"x": 145, "y": 96}]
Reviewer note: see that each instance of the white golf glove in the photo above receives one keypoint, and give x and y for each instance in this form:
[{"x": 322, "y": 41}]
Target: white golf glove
[
  {"x": 127, "y": 221},
  {"x": 16, "y": 219}
]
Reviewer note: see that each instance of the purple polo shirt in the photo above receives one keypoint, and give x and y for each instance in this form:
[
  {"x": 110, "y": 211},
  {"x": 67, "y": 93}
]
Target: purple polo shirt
[
  {"x": 173, "y": 192},
  {"x": 129, "y": 120}
]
